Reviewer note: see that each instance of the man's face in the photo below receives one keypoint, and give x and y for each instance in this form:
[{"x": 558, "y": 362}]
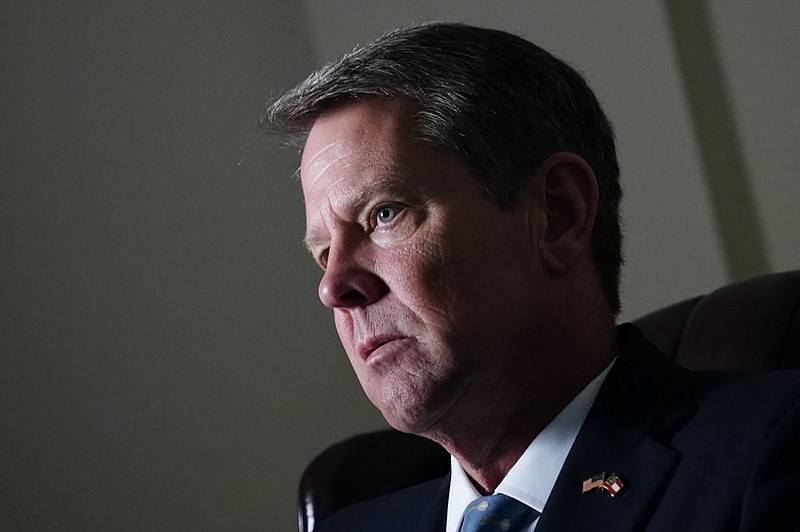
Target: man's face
[{"x": 432, "y": 285}]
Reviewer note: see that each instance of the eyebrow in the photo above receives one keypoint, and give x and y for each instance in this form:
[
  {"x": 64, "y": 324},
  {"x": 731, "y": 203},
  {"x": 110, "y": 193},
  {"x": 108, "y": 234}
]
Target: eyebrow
[{"x": 312, "y": 241}]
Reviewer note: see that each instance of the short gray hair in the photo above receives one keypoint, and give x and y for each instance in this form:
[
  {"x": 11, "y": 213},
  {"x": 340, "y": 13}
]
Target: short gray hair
[{"x": 501, "y": 102}]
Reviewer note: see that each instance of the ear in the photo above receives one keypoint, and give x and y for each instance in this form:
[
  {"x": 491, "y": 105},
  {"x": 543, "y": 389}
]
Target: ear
[{"x": 569, "y": 197}]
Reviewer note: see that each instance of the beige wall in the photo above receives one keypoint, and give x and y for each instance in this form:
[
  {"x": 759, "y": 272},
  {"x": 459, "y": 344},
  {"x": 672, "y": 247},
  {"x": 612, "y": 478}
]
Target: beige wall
[
  {"x": 164, "y": 364},
  {"x": 760, "y": 57}
]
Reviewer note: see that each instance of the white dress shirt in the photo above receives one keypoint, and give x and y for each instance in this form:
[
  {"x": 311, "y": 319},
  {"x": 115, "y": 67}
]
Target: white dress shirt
[{"x": 531, "y": 479}]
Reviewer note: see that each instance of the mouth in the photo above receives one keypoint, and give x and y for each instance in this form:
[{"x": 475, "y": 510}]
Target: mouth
[{"x": 367, "y": 348}]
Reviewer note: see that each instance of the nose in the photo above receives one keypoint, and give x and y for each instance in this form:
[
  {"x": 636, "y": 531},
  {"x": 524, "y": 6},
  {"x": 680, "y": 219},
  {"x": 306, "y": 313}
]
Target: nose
[{"x": 349, "y": 280}]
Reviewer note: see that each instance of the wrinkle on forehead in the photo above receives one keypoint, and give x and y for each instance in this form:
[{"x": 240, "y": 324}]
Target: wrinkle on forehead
[
  {"x": 323, "y": 158},
  {"x": 374, "y": 117},
  {"x": 334, "y": 151}
]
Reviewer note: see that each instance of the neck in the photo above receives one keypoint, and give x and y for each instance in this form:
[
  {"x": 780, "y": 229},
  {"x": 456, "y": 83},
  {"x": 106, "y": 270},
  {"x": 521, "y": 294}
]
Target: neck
[{"x": 488, "y": 432}]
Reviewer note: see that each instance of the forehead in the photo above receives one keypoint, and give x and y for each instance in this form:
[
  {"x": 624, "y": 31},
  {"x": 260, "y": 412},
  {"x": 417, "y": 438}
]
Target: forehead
[
  {"x": 375, "y": 142},
  {"x": 368, "y": 151},
  {"x": 360, "y": 133}
]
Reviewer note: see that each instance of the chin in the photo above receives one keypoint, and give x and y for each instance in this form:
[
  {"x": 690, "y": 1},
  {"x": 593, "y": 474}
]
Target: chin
[
  {"x": 407, "y": 412},
  {"x": 408, "y": 424}
]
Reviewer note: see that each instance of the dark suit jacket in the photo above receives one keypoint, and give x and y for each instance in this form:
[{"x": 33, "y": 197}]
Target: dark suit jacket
[{"x": 698, "y": 451}]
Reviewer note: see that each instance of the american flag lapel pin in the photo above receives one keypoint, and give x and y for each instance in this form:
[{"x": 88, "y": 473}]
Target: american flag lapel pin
[{"x": 593, "y": 483}]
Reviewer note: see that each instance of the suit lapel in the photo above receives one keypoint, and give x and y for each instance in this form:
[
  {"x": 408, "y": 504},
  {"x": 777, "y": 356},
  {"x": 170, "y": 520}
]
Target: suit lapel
[
  {"x": 432, "y": 515},
  {"x": 638, "y": 408}
]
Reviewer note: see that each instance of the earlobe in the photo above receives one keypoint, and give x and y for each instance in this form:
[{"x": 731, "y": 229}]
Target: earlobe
[{"x": 570, "y": 199}]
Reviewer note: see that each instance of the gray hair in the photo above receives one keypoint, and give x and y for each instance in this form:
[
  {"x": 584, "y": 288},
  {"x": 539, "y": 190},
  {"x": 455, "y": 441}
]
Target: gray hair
[{"x": 501, "y": 102}]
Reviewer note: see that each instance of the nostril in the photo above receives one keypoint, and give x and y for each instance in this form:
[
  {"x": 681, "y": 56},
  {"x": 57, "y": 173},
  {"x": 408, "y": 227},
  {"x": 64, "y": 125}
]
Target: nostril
[{"x": 352, "y": 298}]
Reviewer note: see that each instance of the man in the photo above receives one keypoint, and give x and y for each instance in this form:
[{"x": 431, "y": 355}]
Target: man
[{"x": 462, "y": 193}]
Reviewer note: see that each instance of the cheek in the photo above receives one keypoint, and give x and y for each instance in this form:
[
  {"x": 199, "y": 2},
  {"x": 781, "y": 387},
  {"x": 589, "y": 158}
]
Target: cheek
[
  {"x": 422, "y": 279},
  {"x": 408, "y": 263}
]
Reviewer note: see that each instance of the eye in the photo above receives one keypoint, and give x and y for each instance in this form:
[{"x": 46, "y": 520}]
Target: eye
[{"x": 386, "y": 214}]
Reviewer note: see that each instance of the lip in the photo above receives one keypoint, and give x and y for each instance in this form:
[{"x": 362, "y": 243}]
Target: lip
[{"x": 368, "y": 347}]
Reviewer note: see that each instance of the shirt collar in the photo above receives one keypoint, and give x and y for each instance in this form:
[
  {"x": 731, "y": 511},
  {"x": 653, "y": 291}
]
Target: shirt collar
[{"x": 532, "y": 478}]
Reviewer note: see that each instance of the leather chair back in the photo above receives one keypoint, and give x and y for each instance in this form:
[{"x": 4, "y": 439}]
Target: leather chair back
[{"x": 746, "y": 326}]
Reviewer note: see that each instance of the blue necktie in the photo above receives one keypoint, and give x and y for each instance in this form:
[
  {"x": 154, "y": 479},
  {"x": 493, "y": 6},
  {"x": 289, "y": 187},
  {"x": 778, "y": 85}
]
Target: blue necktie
[{"x": 496, "y": 513}]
